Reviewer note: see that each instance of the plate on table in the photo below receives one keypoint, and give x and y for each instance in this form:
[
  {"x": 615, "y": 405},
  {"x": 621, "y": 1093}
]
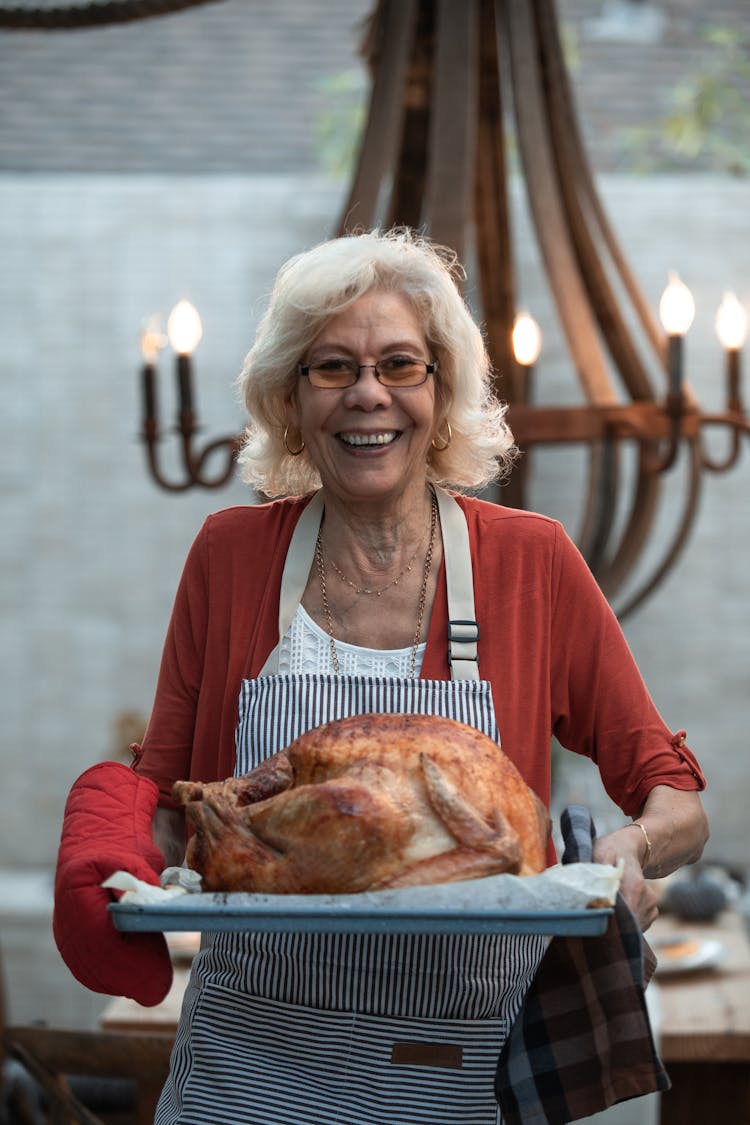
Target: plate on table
[{"x": 683, "y": 953}]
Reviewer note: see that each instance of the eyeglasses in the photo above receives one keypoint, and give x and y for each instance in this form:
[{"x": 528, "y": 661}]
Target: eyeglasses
[{"x": 396, "y": 371}]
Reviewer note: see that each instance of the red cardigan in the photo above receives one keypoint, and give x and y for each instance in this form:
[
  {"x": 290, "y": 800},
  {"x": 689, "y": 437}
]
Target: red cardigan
[{"x": 551, "y": 647}]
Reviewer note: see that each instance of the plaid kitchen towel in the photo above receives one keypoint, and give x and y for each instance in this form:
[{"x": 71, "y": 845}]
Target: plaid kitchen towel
[{"x": 582, "y": 1040}]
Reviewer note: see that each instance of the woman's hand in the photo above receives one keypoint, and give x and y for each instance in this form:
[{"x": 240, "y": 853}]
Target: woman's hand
[
  {"x": 107, "y": 827},
  {"x": 628, "y": 844},
  {"x": 674, "y": 832}
]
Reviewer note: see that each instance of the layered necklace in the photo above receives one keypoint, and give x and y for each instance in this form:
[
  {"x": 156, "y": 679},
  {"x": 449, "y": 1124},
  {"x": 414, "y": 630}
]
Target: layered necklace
[
  {"x": 382, "y": 589},
  {"x": 320, "y": 563}
]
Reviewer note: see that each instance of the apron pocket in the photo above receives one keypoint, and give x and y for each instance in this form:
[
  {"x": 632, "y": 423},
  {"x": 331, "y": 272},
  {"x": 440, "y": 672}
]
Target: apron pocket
[{"x": 263, "y": 1062}]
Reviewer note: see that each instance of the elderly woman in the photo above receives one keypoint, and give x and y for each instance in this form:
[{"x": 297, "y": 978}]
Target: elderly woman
[{"x": 371, "y": 587}]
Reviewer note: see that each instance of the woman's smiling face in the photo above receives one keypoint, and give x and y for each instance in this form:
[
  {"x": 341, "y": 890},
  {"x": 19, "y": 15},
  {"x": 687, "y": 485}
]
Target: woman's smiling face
[{"x": 368, "y": 441}]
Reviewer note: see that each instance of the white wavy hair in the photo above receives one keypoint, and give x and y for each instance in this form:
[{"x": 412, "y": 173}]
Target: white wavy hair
[{"x": 319, "y": 283}]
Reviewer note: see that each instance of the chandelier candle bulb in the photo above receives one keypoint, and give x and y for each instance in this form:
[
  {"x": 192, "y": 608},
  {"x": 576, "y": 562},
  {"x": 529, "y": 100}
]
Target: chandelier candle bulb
[
  {"x": 676, "y": 311},
  {"x": 526, "y": 340},
  {"x": 184, "y": 329}
]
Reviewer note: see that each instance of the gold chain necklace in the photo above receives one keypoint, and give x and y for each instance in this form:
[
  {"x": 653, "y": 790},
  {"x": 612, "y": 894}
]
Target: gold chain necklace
[
  {"x": 382, "y": 589},
  {"x": 420, "y": 607}
]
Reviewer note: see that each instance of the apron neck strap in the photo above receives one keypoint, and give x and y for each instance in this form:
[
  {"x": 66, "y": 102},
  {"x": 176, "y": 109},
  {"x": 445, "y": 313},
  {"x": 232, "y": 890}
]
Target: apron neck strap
[
  {"x": 299, "y": 559},
  {"x": 463, "y": 627},
  {"x": 463, "y": 630}
]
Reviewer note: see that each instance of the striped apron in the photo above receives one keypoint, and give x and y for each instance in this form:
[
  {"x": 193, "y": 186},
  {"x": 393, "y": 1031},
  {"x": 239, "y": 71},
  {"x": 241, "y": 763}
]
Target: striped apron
[{"x": 351, "y": 1029}]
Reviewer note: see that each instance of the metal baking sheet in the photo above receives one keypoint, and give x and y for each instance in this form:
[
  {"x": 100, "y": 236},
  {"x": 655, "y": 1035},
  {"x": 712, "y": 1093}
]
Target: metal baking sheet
[{"x": 323, "y": 914}]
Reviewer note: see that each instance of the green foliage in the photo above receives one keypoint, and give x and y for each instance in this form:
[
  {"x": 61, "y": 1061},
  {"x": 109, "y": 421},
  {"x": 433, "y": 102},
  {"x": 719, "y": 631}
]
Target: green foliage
[
  {"x": 339, "y": 125},
  {"x": 708, "y": 124}
]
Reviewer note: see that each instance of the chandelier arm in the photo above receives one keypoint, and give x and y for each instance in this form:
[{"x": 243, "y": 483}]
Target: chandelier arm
[
  {"x": 577, "y": 192},
  {"x": 452, "y": 141},
  {"x": 681, "y": 421},
  {"x": 492, "y": 217},
  {"x": 739, "y": 425},
  {"x": 601, "y": 502},
  {"x": 574, "y": 141},
  {"x": 150, "y": 438},
  {"x": 410, "y": 174},
  {"x": 662, "y": 461},
  {"x": 563, "y": 273},
  {"x": 679, "y": 539},
  {"x": 643, "y": 509},
  {"x": 394, "y": 30},
  {"x": 73, "y": 17},
  {"x": 232, "y": 446}
]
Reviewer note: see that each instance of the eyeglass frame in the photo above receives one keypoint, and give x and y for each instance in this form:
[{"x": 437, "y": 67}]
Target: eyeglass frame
[{"x": 429, "y": 365}]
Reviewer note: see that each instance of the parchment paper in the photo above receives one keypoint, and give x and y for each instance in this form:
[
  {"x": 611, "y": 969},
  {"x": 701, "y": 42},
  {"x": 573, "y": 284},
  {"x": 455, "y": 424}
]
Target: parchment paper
[{"x": 575, "y": 886}]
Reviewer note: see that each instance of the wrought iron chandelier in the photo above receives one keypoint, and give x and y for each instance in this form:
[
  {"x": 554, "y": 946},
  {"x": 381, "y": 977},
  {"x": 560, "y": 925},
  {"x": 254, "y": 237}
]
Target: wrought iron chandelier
[
  {"x": 450, "y": 83},
  {"x": 434, "y": 155}
]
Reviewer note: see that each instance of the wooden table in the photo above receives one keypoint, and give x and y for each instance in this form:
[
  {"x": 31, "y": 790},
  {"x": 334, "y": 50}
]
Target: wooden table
[
  {"x": 705, "y": 1028},
  {"x": 122, "y": 1014},
  {"x": 151, "y": 1032}
]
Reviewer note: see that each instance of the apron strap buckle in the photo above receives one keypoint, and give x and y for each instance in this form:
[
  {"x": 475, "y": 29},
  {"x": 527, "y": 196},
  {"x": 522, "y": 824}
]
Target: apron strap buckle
[{"x": 463, "y": 636}]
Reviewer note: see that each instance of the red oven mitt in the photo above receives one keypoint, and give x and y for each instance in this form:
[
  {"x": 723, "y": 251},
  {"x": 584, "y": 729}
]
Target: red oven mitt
[{"x": 107, "y": 828}]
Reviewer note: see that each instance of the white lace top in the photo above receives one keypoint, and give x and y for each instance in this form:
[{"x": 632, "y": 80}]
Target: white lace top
[{"x": 306, "y": 648}]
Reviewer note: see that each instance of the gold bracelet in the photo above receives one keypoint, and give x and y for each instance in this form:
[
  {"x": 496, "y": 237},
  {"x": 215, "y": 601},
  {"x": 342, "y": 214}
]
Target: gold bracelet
[{"x": 647, "y": 856}]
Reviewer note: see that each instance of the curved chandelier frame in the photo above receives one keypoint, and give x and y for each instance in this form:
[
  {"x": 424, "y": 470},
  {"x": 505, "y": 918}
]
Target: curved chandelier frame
[{"x": 72, "y": 17}]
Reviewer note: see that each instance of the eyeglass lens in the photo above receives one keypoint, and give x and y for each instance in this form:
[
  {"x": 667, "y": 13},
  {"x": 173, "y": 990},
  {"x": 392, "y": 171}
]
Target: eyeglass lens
[{"x": 396, "y": 371}]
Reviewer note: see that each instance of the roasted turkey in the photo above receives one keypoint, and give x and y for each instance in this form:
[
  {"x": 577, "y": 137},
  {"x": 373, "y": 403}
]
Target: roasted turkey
[{"x": 365, "y": 803}]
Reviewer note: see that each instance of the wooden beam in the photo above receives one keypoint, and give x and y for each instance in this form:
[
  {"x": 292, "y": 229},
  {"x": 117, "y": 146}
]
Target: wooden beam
[
  {"x": 380, "y": 142},
  {"x": 591, "y": 236},
  {"x": 492, "y": 215},
  {"x": 560, "y": 260},
  {"x": 562, "y": 425},
  {"x": 408, "y": 185},
  {"x": 450, "y": 171}
]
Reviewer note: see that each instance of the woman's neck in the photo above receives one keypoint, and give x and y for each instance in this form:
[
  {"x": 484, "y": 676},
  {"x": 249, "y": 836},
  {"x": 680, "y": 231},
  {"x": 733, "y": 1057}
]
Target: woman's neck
[{"x": 373, "y": 539}]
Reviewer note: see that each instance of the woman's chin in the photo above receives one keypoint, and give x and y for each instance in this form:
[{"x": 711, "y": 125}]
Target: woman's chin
[{"x": 373, "y": 485}]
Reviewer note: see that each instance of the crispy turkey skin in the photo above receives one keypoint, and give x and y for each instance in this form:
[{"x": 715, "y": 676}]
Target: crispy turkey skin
[{"x": 366, "y": 803}]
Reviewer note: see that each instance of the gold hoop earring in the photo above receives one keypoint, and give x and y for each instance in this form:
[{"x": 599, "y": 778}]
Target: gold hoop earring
[
  {"x": 447, "y": 441},
  {"x": 292, "y": 452}
]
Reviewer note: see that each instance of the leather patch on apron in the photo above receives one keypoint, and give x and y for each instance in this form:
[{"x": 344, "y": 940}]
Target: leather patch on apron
[{"x": 447, "y": 1055}]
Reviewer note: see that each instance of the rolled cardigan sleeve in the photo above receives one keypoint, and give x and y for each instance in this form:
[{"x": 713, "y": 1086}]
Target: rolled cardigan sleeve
[
  {"x": 601, "y": 705},
  {"x": 165, "y": 753}
]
